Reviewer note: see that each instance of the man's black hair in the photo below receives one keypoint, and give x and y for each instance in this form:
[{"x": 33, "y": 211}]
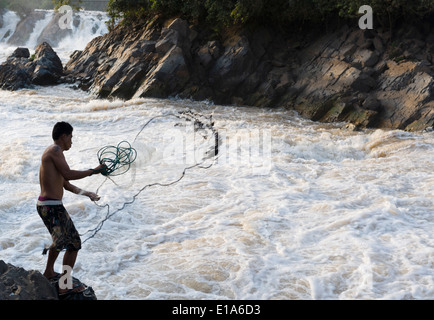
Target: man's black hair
[{"x": 61, "y": 128}]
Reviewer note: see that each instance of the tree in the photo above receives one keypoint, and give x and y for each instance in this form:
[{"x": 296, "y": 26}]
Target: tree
[{"x": 218, "y": 13}]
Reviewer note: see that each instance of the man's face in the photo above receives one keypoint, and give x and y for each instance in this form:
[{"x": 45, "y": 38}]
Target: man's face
[{"x": 68, "y": 141}]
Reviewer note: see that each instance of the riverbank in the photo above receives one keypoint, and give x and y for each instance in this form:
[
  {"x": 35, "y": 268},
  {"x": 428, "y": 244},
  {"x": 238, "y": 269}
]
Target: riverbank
[
  {"x": 359, "y": 76},
  {"x": 370, "y": 78}
]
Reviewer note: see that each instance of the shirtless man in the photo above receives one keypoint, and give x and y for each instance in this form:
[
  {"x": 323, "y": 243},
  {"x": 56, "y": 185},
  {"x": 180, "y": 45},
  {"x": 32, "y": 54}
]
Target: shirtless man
[{"x": 54, "y": 177}]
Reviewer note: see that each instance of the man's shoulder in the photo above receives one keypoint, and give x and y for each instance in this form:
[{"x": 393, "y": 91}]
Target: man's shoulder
[{"x": 52, "y": 150}]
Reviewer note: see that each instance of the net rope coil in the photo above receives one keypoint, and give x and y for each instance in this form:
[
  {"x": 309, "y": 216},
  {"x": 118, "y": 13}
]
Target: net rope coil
[{"x": 117, "y": 159}]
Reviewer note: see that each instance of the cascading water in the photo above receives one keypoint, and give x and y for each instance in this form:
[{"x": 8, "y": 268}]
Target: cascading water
[
  {"x": 37, "y": 30},
  {"x": 44, "y": 26},
  {"x": 10, "y": 21},
  {"x": 91, "y": 24}
]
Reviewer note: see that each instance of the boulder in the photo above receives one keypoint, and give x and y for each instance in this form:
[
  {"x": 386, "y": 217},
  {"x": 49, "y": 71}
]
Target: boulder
[
  {"x": 19, "y": 284},
  {"x": 20, "y": 71},
  {"x": 406, "y": 91},
  {"x": 233, "y": 67},
  {"x": 168, "y": 77},
  {"x": 53, "y": 34},
  {"x": 15, "y": 74},
  {"x": 20, "y": 53},
  {"x": 48, "y": 66}
]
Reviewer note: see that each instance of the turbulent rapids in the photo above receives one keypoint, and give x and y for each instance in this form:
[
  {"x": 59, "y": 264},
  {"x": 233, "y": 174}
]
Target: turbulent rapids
[{"x": 290, "y": 208}]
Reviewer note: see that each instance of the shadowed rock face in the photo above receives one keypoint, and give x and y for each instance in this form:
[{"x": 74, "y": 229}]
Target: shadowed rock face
[{"x": 349, "y": 75}]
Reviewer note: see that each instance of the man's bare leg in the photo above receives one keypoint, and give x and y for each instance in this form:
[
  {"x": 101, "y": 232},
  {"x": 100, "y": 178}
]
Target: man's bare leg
[
  {"x": 52, "y": 257},
  {"x": 69, "y": 260}
]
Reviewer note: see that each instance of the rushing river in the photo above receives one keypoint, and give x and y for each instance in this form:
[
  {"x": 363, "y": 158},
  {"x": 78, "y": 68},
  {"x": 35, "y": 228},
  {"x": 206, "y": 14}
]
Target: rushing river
[{"x": 290, "y": 209}]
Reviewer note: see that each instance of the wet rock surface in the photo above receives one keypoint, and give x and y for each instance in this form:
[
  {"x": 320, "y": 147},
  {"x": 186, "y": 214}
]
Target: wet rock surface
[
  {"x": 364, "y": 77},
  {"x": 353, "y": 75},
  {"x": 19, "y": 284},
  {"x": 22, "y": 71}
]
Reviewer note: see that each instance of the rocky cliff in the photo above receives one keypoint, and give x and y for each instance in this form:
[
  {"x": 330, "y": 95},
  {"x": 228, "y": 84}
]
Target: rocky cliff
[
  {"x": 365, "y": 77},
  {"x": 360, "y": 76}
]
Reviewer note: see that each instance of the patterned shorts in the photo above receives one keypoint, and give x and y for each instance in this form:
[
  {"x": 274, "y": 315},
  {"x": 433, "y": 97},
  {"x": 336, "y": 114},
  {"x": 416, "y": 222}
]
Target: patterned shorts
[{"x": 60, "y": 226}]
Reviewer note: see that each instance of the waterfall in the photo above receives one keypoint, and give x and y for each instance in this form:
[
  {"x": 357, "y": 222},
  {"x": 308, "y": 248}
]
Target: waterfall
[
  {"x": 37, "y": 30},
  {"x": 43, "y": 25},
  {"x": 91, "y": 24},
  {"x": 10, "y": 21}
]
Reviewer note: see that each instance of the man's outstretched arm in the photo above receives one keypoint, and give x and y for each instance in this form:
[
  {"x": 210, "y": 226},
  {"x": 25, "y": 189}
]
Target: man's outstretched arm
[
  {"x": 74, "y": 189},
  {"x": 68, "y": 174}
]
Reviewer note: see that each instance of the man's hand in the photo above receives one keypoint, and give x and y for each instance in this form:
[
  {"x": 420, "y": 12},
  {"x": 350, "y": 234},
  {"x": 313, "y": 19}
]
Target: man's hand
[
  {"x": 100, "y": 169},
  {"x": 93, "y": 196}
]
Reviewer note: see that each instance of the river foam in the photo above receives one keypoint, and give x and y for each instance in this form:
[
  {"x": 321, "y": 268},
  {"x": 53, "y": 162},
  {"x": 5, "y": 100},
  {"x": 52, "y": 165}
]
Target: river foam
[{"x": 290, "y": 210}]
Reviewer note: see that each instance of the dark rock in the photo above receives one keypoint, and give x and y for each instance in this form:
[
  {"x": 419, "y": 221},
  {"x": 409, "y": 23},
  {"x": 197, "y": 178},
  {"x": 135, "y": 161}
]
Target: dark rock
[
  {"x": 234, "y": 66},
  {"x": 364, "y": 83},
  {"x": 15, "y": 74},
  {"x": 48, "y": 67},
  {"x": 371, "y": 103},
  {"x": 19, "y": 284},
  {"x": 20, "y": 53},
  {"x": 87, "y": 294},
  {"x": 20, "y": 72}
]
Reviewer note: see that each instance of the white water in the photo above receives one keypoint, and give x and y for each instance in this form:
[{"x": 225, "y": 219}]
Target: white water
[
  {"x": 10, "y": 21},
  {"x": 37, "y": 30},
  {"x": 324, "y": 213},
  {"x": 291, "y": 210},
  {"x": 91, "y": 24}
]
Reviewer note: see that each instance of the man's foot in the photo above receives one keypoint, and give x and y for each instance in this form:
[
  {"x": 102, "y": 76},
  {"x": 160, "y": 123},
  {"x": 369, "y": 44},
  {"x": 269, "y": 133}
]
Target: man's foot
[
  {"x": 52, "y": 276},
  {"x": 76, "y": 289},
  {"x": 77, "y": 286}
]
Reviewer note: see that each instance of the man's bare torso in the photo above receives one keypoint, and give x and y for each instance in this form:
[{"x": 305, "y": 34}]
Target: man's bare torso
[{"x": 51, "y": 180}]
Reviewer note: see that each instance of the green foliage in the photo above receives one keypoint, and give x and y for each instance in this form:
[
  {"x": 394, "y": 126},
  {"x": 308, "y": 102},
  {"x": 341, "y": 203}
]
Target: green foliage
[
  {"x": 281, "y": 12},
  {"x": 99, "y": 5}
]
